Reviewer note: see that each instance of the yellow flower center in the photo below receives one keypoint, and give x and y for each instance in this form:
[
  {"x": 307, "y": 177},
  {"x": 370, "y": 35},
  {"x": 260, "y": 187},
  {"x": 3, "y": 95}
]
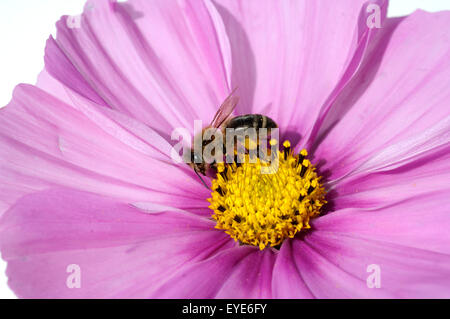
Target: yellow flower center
[{"x": 260, "y": 209}]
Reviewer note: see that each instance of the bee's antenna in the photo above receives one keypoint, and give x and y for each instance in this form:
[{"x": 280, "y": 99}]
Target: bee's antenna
[{"x": 196, "y": 172}]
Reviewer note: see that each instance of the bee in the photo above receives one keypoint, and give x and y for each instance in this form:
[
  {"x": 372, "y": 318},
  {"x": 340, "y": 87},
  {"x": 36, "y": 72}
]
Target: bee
[{"x": 223, "y": 120}]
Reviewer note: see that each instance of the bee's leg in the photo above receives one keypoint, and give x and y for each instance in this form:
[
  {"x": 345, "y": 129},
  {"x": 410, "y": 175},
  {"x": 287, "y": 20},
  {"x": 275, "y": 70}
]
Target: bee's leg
[{"x": 201, "y": 179}]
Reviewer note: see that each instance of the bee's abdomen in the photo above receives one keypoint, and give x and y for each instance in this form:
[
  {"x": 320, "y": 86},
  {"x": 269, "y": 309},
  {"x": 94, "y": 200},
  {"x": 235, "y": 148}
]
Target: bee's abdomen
[{"x": 251, "y": 120}]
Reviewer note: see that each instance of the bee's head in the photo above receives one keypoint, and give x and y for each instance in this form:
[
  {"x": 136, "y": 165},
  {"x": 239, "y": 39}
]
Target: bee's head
[
  {"x": 197, "y": 162},
  {"x": 198, "y": 166},
  {"x": 196, "y": 158}
]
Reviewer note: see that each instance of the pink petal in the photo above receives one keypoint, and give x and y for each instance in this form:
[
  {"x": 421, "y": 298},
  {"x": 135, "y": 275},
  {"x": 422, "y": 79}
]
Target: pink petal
[
  {"x": 366, "y": 38},
  {"x": 65, "y": 74},
  {"x": 391, "y": 186},
  {"x": 239, "y": 273},
  {"x": 418, "y": 221},
  {"x": 396, "y": 110},
  {"x": 251, "y": 278},
  {"x": 121, "y": 251},
  {"x": 335, "y": 265},
  {"x": 407, "y": 239},
  {"x": 287, "y": 280},
  {"x": 52, "y": 86},
  {"x": 205, "y": 278},
  {"x": 162, "y": 62},
  {"x": 289, "y": 56},
  {"x": 45, "y": 142}
]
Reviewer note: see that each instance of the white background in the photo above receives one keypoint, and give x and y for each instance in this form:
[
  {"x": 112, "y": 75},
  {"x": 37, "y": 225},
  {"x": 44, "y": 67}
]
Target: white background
[{"x": 25, "y": 25}]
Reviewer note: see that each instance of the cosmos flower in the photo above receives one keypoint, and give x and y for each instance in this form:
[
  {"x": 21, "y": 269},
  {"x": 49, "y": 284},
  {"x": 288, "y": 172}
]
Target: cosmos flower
[{"x": 88, "y": 184}]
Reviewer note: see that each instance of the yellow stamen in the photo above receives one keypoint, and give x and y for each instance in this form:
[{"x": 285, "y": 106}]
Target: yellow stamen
[{"x": 265, "y": 209}]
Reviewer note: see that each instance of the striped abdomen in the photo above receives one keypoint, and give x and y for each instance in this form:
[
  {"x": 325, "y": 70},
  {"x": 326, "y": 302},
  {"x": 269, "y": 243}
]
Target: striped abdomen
[{"x": 251, "y": 121}]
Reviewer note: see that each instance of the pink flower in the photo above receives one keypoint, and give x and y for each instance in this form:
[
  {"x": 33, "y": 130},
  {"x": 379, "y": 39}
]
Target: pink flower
[{"x": 87, "y": 178}]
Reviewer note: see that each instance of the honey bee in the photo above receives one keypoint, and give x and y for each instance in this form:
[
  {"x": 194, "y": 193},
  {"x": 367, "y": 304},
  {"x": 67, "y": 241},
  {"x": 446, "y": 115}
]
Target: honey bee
[{"x": 223, "y": 120}]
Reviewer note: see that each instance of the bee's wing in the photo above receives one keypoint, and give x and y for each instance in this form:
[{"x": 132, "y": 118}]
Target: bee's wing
[{"x": 225, "y": 110}]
